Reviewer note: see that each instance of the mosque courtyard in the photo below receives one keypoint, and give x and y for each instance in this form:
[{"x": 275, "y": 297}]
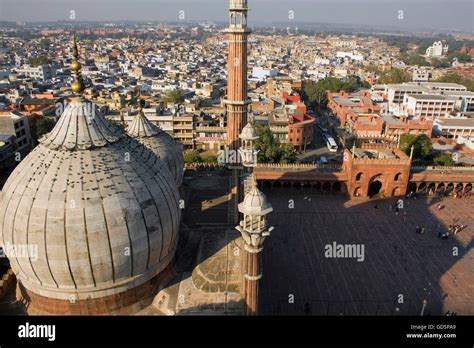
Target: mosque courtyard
[{"x": 398, "y": 270}]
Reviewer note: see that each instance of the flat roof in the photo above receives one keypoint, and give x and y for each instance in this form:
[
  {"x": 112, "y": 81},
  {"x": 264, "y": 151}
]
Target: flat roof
[
  {"x": 377, "y": 154},
  {"x": 455, "y": 122},
  {"x": 344, "y": 101},
  {"x": 407, "y": 87},
  {"x": 430, "y": 97},
  {"x": 459, "y": 93},
  {"x": 392, "y": 120}
]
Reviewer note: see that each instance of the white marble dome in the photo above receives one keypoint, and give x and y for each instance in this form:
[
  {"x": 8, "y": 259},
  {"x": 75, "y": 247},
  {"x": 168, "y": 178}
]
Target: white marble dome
[
  {"x": 102, "y": 210},
  {"x": 255, "y": 203},
  {"x": 160, "y": 143},
  {"x": 249, "y": 133}
]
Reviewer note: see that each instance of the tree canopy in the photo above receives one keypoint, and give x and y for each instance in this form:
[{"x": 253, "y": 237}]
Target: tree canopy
[
  {"x": 42, "y": 127},
  {"x": 444, "y": 160},
  {"x": 270, "y": 150},
  {"x": 37, "y": 61},
  {"x": 415, "y": 59},
  {"x": 192, "y": 156},
  {"x": 394, "y": 75},
  {"x": 422, "y": 146},
  {"x": 315, "y": 92},
  {"x": 174, "y": 96}
]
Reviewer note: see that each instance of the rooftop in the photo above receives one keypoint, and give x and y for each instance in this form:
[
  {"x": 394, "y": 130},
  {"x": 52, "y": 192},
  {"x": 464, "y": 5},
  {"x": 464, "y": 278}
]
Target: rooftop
[
  {"x": 455, "y": 122},
  {"x": 430, "y": 97},
  {"x": 375, "y": 154}
]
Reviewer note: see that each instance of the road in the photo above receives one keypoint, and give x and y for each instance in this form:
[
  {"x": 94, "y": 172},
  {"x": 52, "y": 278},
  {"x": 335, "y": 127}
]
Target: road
[{"x": 319, "y": 147}]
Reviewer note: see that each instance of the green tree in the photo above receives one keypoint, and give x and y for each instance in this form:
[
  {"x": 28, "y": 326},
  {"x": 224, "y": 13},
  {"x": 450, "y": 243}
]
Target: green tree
[
  {"x": 174, "y": 96},
  {"x": 440, "y": 63},
  {"x": 422, "y": 146},
  {"x": 366, "y": 85},
  {"x": 394, "y": 75},
  {"x": 43, "y": 126},
  {"x": 270, "y": 150},
  {"x": 287, "y": 154},
  {"x": 415, "y": 59},
  {"x": 444, "y": 160},
  {"x": 210, "y": 159},
  {"x": 406, "y": 142},
  {"x": 456, "y": 78},
  {"x": 266, "y": 144},
  {"x": 37, "y": 61},
  {"x": 192, "y": 156},
  {"x": 315, "y": 92}
]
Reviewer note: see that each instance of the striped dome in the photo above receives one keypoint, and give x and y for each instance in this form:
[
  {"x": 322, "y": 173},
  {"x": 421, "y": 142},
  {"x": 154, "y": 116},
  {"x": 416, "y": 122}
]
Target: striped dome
[
  {"x": 101, "y": 209},
  {"x": 160, "y": 143}
]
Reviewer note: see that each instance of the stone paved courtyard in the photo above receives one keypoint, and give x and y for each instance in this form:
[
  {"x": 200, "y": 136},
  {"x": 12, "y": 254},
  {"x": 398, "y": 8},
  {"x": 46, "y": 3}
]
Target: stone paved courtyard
[{"x": 397, "y": 260}]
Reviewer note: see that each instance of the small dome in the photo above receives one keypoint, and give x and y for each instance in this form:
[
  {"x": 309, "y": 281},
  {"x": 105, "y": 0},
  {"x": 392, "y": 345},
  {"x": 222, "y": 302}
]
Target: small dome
[
  {"x": 255, "y": 203},
  {"x": 248, "y": 133},
  {"x": 102, "y": 210},
  {"x": 160, "y": 143}
]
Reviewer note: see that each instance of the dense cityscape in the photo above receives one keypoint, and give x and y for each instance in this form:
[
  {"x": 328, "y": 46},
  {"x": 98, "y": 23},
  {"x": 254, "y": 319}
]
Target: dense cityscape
[{"x": 351, "y": 154}]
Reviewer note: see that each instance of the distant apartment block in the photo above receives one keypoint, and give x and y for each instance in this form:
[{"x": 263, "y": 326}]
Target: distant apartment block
[
  {"x": 14, "y": 123},
  {"x": 458, "y": 127},
  {"x": 431, "y": 106},
  {"x": 42, "y": 72}
]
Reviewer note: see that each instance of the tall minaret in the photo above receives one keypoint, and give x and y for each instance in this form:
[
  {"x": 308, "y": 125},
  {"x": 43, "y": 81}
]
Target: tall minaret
[{"x": 237, "y": 101}]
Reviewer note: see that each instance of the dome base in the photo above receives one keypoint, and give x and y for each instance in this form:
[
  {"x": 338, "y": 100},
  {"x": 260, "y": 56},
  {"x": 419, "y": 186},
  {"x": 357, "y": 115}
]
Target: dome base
[{"x": 125, "y": 303}]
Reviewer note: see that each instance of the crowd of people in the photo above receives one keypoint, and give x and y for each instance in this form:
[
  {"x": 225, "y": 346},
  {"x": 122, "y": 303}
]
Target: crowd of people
[{"x": 453, "y": 229}]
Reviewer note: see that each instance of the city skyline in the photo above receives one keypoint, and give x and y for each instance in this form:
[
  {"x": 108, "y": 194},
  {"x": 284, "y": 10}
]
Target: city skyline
[{"x": 438, "y": 15}]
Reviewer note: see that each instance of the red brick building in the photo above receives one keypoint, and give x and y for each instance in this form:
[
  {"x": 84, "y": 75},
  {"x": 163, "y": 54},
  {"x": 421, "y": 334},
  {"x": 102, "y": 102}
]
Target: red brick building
[
  {"x": 349, "y": 105},
  {"x": 300, "y": 130}
]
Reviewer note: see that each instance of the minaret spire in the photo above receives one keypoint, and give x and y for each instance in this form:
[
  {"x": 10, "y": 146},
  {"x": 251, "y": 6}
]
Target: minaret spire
[
  {"x": 237, "y": 101},
  {"x": 78, "y": 84}
]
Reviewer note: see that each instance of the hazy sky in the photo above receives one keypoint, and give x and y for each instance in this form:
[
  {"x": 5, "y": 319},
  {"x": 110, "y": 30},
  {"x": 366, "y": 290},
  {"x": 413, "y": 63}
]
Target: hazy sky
[{"x": 436, "y": 14}]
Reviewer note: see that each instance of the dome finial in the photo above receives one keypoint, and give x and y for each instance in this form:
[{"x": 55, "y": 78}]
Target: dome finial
[
  {"x": 254, "y": 181},
  {"x": 140, "y": 102},
  {"x": 78, "y": 84}
]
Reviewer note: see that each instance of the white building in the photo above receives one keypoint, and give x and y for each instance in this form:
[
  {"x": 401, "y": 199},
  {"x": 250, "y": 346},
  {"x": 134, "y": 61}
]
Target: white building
[
  {"x": 439, "y": 49},
  {"x": 352, "y": 55},
  {"x": 431, "y": 106},
  {"x": 441, "y": 86},
  {"x": 458, "y": 127},
  {"x": 14, "y": 123},
  {"x": 421, "y": 75},
  {"x": 396, "y": 92},
  {"x": 262, "y": 73},
  {"x": 42, "y": 72},
  {"x": 464, "y": 100}
]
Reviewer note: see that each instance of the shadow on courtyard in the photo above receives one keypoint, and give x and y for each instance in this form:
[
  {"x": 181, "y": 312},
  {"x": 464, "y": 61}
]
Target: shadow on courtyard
[{"x": 400, "y": 268}]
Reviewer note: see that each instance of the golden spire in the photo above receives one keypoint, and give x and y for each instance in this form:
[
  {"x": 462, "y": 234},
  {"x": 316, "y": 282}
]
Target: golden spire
[
  {"x": 140, "y": 102},
  {"x": 78, "y": 84},
  {"x": 254, "y": 181}
]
